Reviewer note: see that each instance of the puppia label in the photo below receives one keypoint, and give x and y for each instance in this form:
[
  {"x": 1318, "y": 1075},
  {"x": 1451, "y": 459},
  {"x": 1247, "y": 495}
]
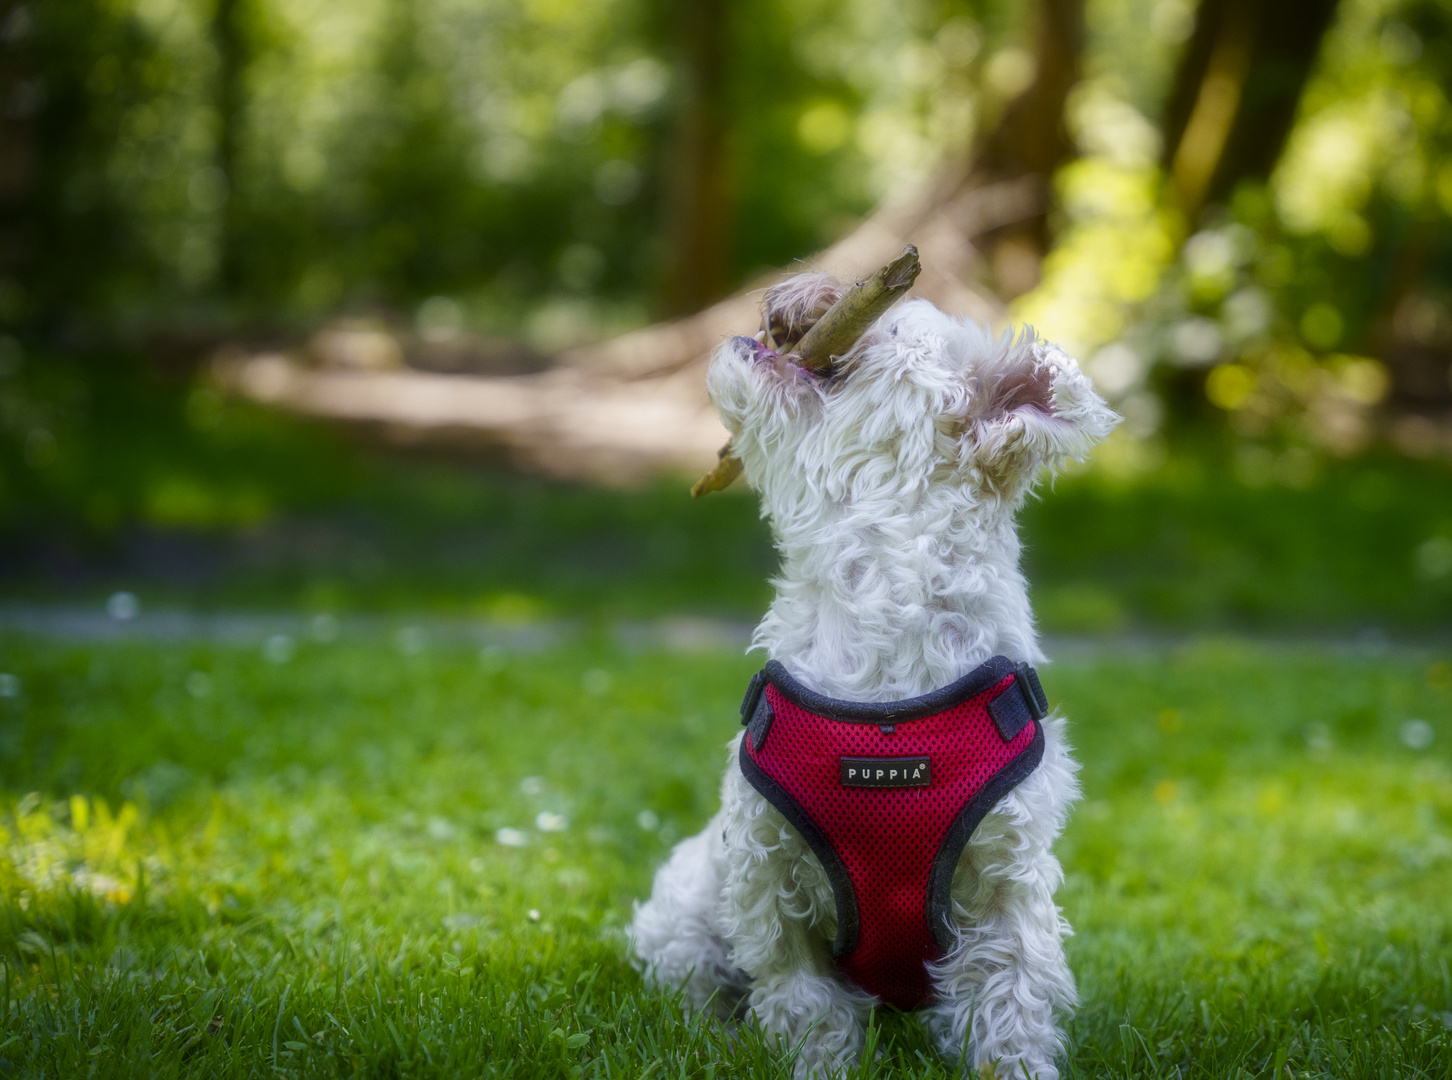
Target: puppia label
[{"x": 886, "y": 771}]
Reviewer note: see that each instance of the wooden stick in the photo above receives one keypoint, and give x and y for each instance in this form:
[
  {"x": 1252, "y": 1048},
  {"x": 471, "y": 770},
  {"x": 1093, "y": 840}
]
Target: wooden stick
[
  {"x": 832, "y": 336},
  {"x": 728, "y": 468}
]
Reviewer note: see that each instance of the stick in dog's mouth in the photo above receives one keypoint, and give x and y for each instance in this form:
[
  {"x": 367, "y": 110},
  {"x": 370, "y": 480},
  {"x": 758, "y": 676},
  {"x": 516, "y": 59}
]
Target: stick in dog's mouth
[{"x": 829, "y": 338}]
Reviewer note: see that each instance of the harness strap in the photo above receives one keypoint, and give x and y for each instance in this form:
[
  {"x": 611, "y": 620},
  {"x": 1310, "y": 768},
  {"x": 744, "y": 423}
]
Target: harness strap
[
  {"x": 1011, "y": 711},
  {"x": 756, "y": 711}
]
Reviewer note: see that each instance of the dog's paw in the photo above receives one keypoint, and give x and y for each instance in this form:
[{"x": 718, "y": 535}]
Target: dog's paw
[{"x": 1007, "y": 1070}]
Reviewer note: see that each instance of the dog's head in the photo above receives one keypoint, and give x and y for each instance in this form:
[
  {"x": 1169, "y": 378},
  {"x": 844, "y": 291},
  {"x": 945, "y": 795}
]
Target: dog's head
[{"x": 922, "y": 402}]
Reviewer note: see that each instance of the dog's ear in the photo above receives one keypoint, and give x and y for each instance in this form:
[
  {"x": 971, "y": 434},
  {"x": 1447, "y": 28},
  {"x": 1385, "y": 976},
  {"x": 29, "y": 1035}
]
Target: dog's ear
[{"x": 1030, "y": 407}]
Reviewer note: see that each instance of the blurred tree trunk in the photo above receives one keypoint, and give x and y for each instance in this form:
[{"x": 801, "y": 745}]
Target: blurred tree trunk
[
  {"x": 229, "y": 39},
  {"x": 18, "y": 101},
  {"x": 1030, "y": 137},
  {"x": 1410, "y": 331},
  {"x": 994, "y": 197},
  {"x": 698, "y": 193},
  {"x": 1030, "y": 141},
  {"x": 1235, "y": 93}
]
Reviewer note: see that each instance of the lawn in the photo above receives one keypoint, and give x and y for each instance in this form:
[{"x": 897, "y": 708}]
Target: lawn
[{"x": 356, "y": 860}]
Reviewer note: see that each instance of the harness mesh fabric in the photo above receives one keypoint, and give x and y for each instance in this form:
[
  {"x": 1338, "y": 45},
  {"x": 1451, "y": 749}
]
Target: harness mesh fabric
[{"x": 886, "y": 840}]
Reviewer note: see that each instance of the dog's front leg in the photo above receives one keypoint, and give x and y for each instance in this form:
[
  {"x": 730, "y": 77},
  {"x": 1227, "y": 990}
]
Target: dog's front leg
[
  {"x": 996, "y": 1002},
  {"x": 780, "y": 918},
  {"x": 816, "y": 1015},
  {"x": 674, "y": 935},
  {"x": 1001, "y": 987}
]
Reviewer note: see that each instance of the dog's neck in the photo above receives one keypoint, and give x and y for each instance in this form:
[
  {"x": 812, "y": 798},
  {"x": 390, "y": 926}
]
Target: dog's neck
[{"x": 901, "y": 605}]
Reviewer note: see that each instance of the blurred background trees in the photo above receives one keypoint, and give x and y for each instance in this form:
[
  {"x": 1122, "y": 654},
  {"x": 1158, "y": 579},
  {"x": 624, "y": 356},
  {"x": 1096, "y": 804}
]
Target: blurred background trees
[
  {"x": 249, "y": 161},
  {"x": 554, "y": 172},
  {"x": 1237, "y": 222}
]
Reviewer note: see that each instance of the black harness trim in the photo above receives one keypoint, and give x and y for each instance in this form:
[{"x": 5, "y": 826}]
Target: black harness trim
[
  {"x": 945, "y": 863},
  {"x": 981, "y": 678},
  {"x": 841, "y": 880}
]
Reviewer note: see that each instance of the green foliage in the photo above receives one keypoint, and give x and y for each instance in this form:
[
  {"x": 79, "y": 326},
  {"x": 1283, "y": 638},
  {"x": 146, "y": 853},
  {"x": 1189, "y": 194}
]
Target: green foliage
[
  {"x": 243, "y": 507},
  {"x": 100, "y": 457},
  {"x": 517, "y": 156},
  {"x": 1201, "y": 541},
  {"x": 367, "y": 862},
  {"x": 518, "y": 163},
  {"x": 105, "y": 155},
  {"x": 1312, "y": 298}
]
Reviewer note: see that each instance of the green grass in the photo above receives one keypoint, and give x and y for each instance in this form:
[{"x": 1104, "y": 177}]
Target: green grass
[{"x": 295, "y": 869}]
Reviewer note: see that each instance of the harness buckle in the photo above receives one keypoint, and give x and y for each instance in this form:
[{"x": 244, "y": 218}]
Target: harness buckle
[
  {"x": 1011, "y": 711},
  {"x": 753, "y": 691},
  {"x": 1028, "y": 681},
  {"x": 756, "y": 713}
]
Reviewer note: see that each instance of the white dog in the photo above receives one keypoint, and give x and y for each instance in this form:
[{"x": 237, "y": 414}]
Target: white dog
[{"x": 891, "y": 487}]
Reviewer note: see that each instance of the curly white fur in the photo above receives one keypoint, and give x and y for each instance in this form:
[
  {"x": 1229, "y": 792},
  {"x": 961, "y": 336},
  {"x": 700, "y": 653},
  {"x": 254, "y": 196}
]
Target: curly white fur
[{"x": 891, "y": 489}]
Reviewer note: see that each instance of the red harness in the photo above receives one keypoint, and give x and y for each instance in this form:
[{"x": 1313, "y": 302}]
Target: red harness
[{"x": 887, "y": 795}]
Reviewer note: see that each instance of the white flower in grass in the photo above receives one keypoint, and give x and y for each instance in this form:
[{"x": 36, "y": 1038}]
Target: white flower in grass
[
  {"x": 1417, "y": 734},
  {"x": 278, "y": 648},
  {"x": 1318, "y": 741},
  {"x": 512, "y": 837},
  {"x": 326, "y": 627},
  {"x": 1434, "y": 558},
  {"x": 123, "y": 606},
  {"x": 533, "y": 914},
  {"x": 647, "y": 820},
  {"x": 548, "y": 822},
  {"x": 532, "y": 785}
]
